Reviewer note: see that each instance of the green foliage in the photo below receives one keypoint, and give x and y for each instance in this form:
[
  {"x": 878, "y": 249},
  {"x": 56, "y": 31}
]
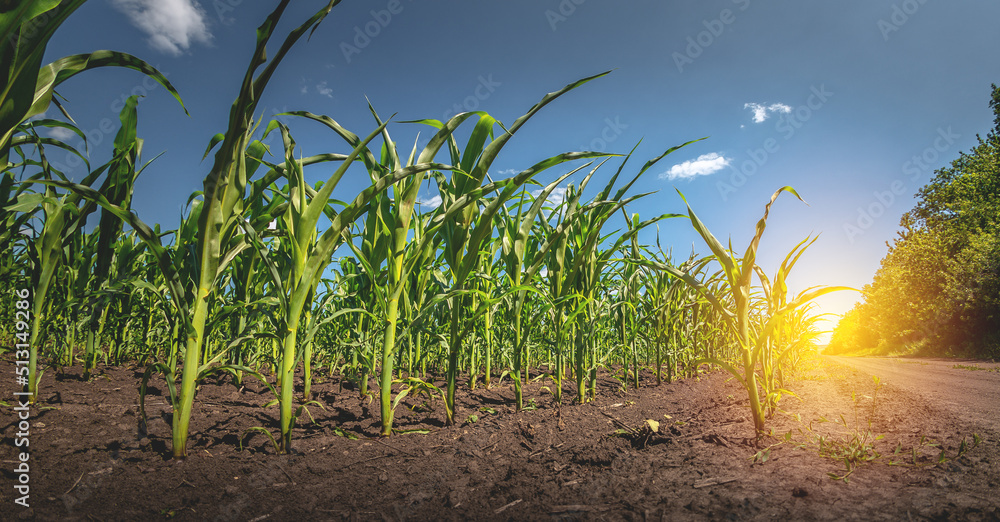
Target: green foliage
[
  {"x": 937, "y": 291},
  {"x": 26, "y": 26},
  {"x": 497, "y": 279}
]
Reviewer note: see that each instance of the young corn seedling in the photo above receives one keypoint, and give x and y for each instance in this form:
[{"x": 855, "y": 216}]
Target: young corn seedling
[
  {"x": 63, "y": 219},
  {"x": 576, "y": 278},
  {"x": 26, "y": 28},
  {"x": 465, "y": 228},
  {"x": 738, "y": 273},
  {"x": 383, "y": 214},
  {"x": 222, "y": 201},
  {"x": 309, "y": 253}
]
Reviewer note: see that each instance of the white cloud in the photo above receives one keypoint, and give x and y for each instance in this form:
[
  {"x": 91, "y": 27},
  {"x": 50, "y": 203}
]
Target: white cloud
[
  {"x": 434, "y": 202},
  {"x": 556, "y": 197},
  {"x": 172, "y": 25},
  {"x": 507, "y": 172},
  {"x": 61, "y": 133},
  {"x": 323, "y": 89},
  {"x": 304, "y": 89},
  {"x": 763, "y": 112},
  {"x": 705, "y": 164}
]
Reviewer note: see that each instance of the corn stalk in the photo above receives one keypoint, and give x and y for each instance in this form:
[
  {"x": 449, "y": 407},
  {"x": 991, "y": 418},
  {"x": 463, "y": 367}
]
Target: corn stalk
[{"x": 738, "y": 273}]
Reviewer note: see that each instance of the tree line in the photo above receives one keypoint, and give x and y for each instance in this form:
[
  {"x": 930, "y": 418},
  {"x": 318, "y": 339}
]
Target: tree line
[{"x": 937, "y": 291}]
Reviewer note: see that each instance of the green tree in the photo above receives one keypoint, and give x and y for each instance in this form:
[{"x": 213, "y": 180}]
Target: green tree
[{"x": 938, "y": 288}]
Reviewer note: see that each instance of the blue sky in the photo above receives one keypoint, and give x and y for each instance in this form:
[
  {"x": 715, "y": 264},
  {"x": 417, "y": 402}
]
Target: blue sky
[{"x": 854, "y": 103}]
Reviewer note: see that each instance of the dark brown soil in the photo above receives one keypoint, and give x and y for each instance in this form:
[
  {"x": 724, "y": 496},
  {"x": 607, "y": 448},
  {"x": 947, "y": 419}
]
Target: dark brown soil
[{"x": 89, "y": 461}]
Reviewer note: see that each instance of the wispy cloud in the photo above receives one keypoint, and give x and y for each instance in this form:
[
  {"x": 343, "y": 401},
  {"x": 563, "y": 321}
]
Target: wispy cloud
[
  {"x": 433, "y": 202},
  {"x": 61, "y": 133},
  {"x": 507, "y": 172},
  {"x": 762, "y": 112},
  {"x": 705, "y": 164},
  {"x": 172, "y": 25},
  {"x": 324, "y": 89}
]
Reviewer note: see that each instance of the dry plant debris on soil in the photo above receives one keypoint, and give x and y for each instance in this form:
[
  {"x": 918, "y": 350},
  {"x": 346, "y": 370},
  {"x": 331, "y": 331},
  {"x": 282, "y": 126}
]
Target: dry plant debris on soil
[{"x": 604, "y": 460}]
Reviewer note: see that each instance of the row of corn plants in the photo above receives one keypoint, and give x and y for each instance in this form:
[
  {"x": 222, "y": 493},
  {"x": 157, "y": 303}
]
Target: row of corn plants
[{"x": 267, "y": 273}]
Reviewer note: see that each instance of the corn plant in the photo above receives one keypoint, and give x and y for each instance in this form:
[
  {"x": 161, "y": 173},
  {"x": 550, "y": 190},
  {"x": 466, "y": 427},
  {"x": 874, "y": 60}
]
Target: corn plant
[
  {"x": 738, "y": 273},
  {"x": 496, "y": 280},
  {"x": 791, "y": 330},
  {"x": 663, "y": 304},
  {"x": 576, "y": 278},
  {"x": 309, "y": 255},
  {"x": 465, "y": 227},
  {"x": 223, "y": 201},
  {"x": 523, "y": 255},
  {"x": 63, "y": 217},
  {"x": 626, "y": 289},
  {"x": 26, "y": 26}
]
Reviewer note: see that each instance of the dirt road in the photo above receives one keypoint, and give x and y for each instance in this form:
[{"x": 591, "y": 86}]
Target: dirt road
[{"x": 971, "y": 389}]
